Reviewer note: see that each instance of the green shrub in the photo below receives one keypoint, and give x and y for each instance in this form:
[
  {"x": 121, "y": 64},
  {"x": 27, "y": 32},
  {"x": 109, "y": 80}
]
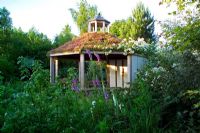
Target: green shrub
[
  {"x": 169, "y": 75},
  {"x": 43, "y": 107}
]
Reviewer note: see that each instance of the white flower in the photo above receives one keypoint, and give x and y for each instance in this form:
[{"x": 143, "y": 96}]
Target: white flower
[
  {"x": 121, "y": 106},
  {"x": 129, "y": 49},
  {"x": 124, "y": 53},
  {"x": 146, "y": 73},
  {"x": 174, "y": 65},
  {"x": 93, "y": 103},
  {"x": 140, "y": 39}
]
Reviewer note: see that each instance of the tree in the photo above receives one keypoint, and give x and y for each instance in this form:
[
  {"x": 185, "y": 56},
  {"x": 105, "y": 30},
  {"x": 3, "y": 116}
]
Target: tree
[
  {"x": 121, "y": 28},
  {"x": 64, "y": 36},
  {"x": 5, "y": 28},
  {"x": 83, "y": 14},
  {"x": 183, "y": 34},
  {"x": 143, "y": 23},
  {"x": 139, "y": 25},
  {"x": 5, "y": 20},
  {"x": 182, "y": 4}
]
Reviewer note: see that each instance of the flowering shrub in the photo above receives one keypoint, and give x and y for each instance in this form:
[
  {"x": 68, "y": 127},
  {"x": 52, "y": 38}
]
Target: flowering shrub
[{"x": 170, "y": 75}]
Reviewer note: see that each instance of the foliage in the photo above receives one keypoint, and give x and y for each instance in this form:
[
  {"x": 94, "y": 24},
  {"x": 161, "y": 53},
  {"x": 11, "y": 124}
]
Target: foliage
[
  {"x": 183, "y": 33},
  {"x": 14, "y": 43},
  {"x": 83, "y": 14},
  {"x": 26, "y": 65},
  {"x": 143, "y": 23},
  {"x": 41, "y": 107},
  {"x": 173, "y": 73},
  {"x": 6, "y": 67},
  {"x": 164, "y": 97},
  {"x": 5, "y": 21},
  {"x": 64, "y": 36},
  {"x": 139, "y": 25},
  {"x": 183, "y": 37},
  {"x": 145, "y": 110},
  {"x": 121, "y": 28},
  {"x": 182, "y": 5},
  {"x": 188, "y": 115},
  {"x": 169, "y": 75},
  {"x": 1, "y": 78},
  {"x": 131, "y": 46},
  {"x": 72, "y": 76}
]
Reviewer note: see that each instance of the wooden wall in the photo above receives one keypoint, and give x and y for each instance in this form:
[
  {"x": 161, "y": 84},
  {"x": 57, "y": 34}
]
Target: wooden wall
[
  {"x": 118, "y": 73},
  {"x": 137, "y": 63}
]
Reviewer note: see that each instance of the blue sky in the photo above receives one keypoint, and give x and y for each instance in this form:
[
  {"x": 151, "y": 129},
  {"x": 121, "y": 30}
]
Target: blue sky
[{"x": 50, "y": 16}]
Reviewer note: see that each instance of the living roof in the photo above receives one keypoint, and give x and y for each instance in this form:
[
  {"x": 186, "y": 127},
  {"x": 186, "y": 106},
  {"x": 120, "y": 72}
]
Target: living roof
[{"x": 96, "y": 41}]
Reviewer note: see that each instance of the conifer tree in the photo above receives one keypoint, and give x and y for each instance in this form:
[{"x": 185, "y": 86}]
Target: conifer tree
[
  {"x": 139, "y": 25},
  {"x": 143, "y": 23}
]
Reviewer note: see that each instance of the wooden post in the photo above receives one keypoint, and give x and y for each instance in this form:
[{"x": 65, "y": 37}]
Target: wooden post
[
  {"x": 108, "y": 72},
  {"x": 95, "y": 29},
  {"x": 129, "y": 68},
  {"x": 103, "y": 26},
  {"x": 52, "y": 70},
  {"x": 82, "y": 70},
  {"x": 56, "y": 67},
  {"x": 89, "y": 27},
  {"x": 108, "y": 28},
  {"x": 79, "y": 71}
]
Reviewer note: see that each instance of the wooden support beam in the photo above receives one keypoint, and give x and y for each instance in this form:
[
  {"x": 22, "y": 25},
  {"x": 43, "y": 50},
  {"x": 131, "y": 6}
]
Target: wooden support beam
[
  {"x": 89, "y": 27},
  {"x": 82, "y": 70},
  {"x": 116, "y": 69},
  {"x": 95, "y": 29},
  {"x": 104, "y": 26},
  {"x": 123, "y": 73},
  {"x": 56, "y": 67},
  {"x": 108, "y": 72},
  {"x": 52, "y": 70},
  {"x": 79, "y": 71},
  {"x": 129, "y": 68}
]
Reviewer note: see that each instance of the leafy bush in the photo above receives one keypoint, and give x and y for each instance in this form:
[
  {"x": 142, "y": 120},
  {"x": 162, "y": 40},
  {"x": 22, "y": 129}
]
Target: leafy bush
[
  {"x": 169, "y": 75},
  {"x": 145, "y": 109},
  {"x": 42, "y": 107},
  {"x": 7, "y": 67}
]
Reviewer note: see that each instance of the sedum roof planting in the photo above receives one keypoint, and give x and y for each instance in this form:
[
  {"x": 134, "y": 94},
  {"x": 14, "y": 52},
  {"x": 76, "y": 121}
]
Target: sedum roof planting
[{"x": 96, "y": 41}]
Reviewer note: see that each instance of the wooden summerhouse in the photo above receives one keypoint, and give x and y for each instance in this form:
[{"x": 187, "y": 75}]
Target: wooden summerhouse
[{"x": 121, "y": 69}]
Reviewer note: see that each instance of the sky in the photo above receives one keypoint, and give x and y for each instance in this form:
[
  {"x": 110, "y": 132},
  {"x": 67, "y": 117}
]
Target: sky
[{"x": 50, "y": 16}]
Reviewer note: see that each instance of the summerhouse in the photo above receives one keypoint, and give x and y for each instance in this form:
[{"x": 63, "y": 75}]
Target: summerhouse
[{"x": 121, "y": 68}]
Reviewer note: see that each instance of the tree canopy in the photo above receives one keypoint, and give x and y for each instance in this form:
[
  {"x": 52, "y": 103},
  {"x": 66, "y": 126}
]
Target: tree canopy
[
  {"x": 183, "y": 34},
  {"x": 5, "y": 20},
  {"x": 15, "y": 43},
  {"x": 81, "y": 15},
  {"x": 64, "y": 36},
  {"x": 139, "y": 25}
]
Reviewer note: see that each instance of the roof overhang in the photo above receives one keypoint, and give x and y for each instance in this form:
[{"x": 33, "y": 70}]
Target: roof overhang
[
  {"x": 84, "y": 52},
  {"x": 64, "y": 53}
]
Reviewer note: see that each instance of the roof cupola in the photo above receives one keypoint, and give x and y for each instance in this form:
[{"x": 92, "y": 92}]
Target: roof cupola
[{"x": 98, "y": 24}]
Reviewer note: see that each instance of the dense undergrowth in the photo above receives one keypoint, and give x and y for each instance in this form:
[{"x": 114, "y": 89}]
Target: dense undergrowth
[
  {"x": 38, "y": 106},
  {"x": 164, "y": 98}
]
